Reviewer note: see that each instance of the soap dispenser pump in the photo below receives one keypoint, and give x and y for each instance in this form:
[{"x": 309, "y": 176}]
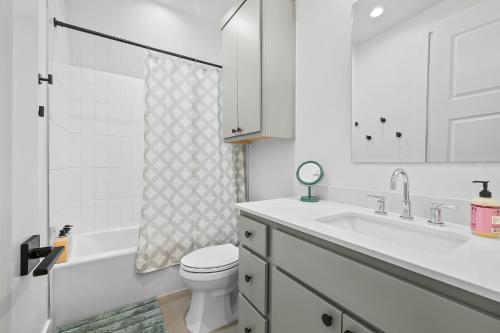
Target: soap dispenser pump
[{"x": 485, "y": 213}]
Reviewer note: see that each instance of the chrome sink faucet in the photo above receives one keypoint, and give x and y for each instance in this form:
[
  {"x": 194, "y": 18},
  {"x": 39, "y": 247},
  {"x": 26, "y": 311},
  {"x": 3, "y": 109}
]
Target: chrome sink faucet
[{"x": 406, "y": 204}]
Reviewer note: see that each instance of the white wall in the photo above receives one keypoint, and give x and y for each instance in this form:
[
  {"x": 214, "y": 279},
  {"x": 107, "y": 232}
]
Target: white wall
[
  {"x": 271, "y": 171},
  {"x": 390, "y": 81},
  {"x": 96, "y": 149},
  {"x": 97, "y": 100},
  {"x": 19, "y": 127},
  {"x": 5, "y": 165},
  {"x": 186, "y": 27},
  {"x": 323, "y": 113}
]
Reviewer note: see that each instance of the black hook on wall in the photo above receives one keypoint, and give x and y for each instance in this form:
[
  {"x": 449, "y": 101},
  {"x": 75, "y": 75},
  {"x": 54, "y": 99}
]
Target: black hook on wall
[{"x": 399, "y": 134}]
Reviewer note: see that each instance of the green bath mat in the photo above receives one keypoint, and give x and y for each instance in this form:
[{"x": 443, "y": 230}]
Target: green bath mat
[{"x": 145, "y": 317}]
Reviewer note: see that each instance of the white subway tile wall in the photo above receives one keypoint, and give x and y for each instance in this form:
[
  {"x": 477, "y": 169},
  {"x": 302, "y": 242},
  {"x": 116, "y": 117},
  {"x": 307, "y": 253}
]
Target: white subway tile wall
[{"x": 96, "y": 146}]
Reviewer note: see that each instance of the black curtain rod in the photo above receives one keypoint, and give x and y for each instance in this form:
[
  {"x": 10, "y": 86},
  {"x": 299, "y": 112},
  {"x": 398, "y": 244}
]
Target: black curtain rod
[{"x": 58, "y": 23}]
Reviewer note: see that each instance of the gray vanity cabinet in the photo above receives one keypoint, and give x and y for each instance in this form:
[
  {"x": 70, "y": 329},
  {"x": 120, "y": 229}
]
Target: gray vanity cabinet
[
  {"x": 253, "y": 276},
  {"x": 297, "y": 309},
  {"x": 250, "y": 320},
  {"x": 259, "y": 70},
  {"x": 317, "y": 286},
  {"x": 350, "y": 325},
  {"x": 253, "y": 235},
  {"x": 252, "y": 279}
]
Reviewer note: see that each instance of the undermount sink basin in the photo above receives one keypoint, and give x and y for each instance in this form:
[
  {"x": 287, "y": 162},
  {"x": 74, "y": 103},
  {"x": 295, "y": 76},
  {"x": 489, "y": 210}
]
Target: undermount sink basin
[{"x": 432, "y": 240}]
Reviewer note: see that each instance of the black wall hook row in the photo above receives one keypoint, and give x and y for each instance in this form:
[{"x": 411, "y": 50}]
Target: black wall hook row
[
  {"x": 49, "y": 79},
  {"x": 31, "y": 252}
]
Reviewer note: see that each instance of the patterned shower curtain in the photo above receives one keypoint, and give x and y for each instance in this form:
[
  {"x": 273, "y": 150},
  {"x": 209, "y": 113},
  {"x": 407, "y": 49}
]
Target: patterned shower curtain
[{"x": 191, "y": 177}]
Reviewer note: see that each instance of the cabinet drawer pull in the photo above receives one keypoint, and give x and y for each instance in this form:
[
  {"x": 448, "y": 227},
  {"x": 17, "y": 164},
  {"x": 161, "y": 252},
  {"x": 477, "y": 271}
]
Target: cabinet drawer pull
[
  {"x": 248, "y": 234},
  {"x": 327, "y": 319},
  {"x": 248, "y": 278},
  {"x": 248, "y": 330}
]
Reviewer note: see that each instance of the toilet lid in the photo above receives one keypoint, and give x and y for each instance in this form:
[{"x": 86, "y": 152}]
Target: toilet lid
[{"x": 211, "y": 259}]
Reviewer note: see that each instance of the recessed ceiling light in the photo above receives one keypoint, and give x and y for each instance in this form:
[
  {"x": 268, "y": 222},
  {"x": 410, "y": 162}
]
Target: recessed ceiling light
[{"x": 376, "y": 12}]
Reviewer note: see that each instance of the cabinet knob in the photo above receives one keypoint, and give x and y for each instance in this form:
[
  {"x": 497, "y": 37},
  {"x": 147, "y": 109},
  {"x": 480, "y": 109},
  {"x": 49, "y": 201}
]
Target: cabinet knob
[
  {"x": 233, "y": 131},
  {"x": 248, "y": 234},
  {"x": 248, "y": 330},
  {"x": 327, "y": 319},
  {"x": 248, "y": 278}
]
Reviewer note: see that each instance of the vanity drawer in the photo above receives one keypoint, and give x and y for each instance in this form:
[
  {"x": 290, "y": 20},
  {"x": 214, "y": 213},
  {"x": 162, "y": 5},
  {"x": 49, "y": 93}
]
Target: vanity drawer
[
  {"x": 252, "y": 279},
  {"x": 389, "y": 304},
  {"x": 253, "y": 235},
  {"x": 297, "y": 310},
  {"x": 249, "y": 319},
  {"x": 349, "y": 325}
]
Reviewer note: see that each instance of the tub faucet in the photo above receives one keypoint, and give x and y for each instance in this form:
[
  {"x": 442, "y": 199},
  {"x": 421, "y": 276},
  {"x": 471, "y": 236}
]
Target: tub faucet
[{"x": 406, "y": 204}]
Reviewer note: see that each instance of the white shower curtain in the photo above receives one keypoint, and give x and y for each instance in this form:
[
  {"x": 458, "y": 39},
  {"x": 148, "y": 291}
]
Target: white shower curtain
[{"x": 191, "y": 177}]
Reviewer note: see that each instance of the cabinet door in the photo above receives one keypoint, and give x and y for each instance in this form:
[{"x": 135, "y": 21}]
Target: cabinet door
[
  {"x": 297, "y": 310},
  {"x": 349, "y": 325},
  {"x": 252, "y": 279},
  {"x": 249, "y": 67},
  {"x": 250, "y": 321},
  {"x": 230, "y": 77}
]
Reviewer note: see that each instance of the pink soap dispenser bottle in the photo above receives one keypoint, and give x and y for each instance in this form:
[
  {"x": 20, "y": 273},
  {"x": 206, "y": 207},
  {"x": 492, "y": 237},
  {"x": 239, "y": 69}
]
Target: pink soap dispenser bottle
[{"x": 485, "y": 214}]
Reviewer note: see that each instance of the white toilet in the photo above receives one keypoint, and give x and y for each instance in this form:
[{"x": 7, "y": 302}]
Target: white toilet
[{"x": 212, "y": 274}]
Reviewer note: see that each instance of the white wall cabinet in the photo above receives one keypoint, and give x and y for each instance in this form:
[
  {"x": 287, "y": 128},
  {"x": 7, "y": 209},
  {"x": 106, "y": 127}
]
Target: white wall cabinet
[{"x": 259, "y": 71}]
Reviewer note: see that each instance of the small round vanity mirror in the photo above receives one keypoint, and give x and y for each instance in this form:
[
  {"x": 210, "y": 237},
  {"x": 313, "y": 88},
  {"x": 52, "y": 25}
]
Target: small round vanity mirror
[{"x": 309, "y": 173}]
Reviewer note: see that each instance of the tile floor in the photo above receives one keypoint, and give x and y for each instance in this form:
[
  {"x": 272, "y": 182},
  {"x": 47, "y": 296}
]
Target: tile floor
[{"x": 174, "y": 307}]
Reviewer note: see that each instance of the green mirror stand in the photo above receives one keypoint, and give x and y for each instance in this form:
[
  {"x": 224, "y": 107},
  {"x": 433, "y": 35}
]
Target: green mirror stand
[{"x": 309, "y": 173}]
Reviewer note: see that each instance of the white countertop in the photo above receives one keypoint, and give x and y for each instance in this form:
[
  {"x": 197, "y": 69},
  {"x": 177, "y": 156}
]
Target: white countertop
[{"x": 473, "y": 266}]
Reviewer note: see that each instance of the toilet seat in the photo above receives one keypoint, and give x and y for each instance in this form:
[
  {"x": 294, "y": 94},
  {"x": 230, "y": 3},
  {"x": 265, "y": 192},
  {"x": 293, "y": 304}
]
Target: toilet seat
[{"x": 212, "y": 259}]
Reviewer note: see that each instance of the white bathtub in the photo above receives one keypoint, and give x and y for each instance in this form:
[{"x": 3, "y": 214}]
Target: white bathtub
[{"x": 100, "y": 276}]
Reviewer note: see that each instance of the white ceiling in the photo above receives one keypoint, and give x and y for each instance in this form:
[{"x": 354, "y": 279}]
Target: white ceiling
[
  {"x": 396, "y": 11},
  {"x": 211, "y": 10}
]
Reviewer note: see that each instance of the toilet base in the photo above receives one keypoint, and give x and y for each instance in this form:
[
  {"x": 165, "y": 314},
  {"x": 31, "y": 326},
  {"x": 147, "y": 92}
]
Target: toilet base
[{"x": 211, "y": 310}]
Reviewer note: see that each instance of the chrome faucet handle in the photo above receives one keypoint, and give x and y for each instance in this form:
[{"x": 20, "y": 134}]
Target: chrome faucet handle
[
  {"x": 436, "y": 212},
  {"x": 381, "y": 204}
]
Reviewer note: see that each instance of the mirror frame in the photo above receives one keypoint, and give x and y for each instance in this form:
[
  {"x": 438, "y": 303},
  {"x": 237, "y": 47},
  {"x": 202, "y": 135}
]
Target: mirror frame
[{"x": 322, "y": 173}]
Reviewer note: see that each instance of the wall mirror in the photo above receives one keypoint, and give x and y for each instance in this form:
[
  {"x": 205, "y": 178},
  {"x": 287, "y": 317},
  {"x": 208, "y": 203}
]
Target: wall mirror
[{"x": 426, "y": 81}]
